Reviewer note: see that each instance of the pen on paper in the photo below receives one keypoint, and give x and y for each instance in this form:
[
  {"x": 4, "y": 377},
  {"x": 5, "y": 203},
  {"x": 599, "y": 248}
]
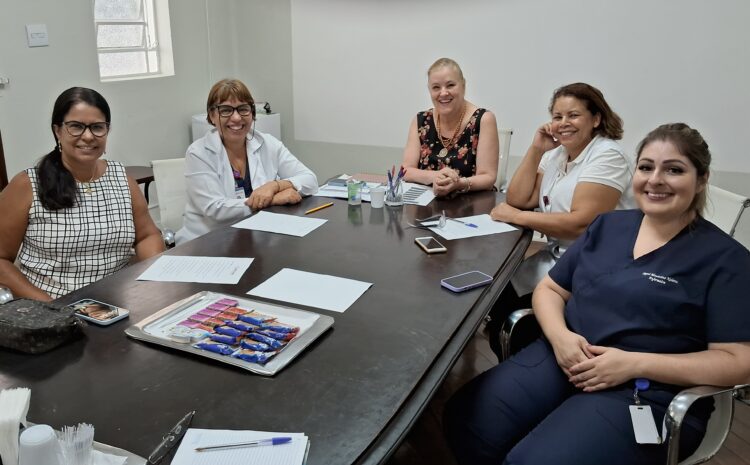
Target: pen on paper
[
  {"x": 471, "y": 225},
  {"x": 320, "y": 207},
  {"x": 260, "y": 442}
]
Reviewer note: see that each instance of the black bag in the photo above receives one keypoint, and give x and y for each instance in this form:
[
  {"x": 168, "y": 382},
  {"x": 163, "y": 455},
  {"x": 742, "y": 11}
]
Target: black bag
[{"x": 35, "y": 327}]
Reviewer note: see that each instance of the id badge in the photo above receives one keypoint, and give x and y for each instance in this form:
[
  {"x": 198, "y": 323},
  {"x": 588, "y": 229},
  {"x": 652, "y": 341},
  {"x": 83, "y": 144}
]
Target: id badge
[
  {"x": 239, "y": 193},
  {"x": 644, "y": 425}
]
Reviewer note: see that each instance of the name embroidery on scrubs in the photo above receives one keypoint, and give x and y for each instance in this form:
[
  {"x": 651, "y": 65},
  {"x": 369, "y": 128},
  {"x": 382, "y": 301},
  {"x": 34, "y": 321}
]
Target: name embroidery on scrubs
[{"x": 660, "y": 279}]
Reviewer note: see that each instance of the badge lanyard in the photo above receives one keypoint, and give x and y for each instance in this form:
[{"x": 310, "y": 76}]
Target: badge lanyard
[{"x": 644, "y": 425}]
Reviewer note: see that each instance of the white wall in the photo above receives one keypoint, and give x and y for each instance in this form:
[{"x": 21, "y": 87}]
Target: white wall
[
  {"x": 150, "y": 117},
  {"x": 359, "y": 66}
]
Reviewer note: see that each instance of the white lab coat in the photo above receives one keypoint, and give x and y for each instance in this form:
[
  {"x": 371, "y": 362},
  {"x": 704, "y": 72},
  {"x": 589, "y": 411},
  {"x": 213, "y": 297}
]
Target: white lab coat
[{"x": 211, "y": 200}]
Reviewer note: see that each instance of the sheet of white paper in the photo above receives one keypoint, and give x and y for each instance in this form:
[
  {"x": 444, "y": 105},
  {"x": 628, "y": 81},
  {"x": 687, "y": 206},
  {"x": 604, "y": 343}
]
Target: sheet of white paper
[
  {"x": 417, "y": 194},
  {"x": 312, "y": 289},
  {"x": 290, "y": 225},
  {"x": 292, "y": 453},
  {"x": 455, "y": 230},
  {"x": 184, "y": 269}
]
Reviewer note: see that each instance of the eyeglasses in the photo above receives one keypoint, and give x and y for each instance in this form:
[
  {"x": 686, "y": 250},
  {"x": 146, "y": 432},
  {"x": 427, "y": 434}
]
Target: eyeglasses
[
  {"x": 76, "y": 128},
  {"x": 226, "y": 111}
]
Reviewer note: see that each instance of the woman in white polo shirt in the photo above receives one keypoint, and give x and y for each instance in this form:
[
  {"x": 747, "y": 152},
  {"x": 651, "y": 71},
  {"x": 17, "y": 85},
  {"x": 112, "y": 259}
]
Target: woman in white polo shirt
[
  {"x": 573, "y": 171},
  {"x": 234, "y": 170}
]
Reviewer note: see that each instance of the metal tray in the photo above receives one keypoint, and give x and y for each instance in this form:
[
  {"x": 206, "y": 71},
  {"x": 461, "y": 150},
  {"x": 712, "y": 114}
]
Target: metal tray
[{"x": 153, "y": 329}]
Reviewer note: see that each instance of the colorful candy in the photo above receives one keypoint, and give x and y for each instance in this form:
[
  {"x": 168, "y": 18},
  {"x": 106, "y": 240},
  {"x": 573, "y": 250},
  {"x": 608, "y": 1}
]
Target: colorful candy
[
  {"x": 253, "y": 356},
  {"x": 254, "y": 345},
  {"x": 256, "y": 318},
  {"x": 242, "y": 326},
  {"x": 215, "y": 347},
  {"x": 224, "y": 339},
  {"x": 278, "y": 336},
  {"x": 229, "y": 331},
  {"x": 273, "y": 343}
]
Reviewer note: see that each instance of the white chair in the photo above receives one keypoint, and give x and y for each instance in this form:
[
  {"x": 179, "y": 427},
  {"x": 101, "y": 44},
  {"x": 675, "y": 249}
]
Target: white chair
[
  {"x": 719, "y": 423},
  {"x": 169, "y": 177},
  {"x": 502, "y": 167},
  {"x": 725, "y": 208}
]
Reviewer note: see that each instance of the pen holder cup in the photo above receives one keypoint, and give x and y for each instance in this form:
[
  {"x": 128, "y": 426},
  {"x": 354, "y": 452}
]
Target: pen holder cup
[
  {"x": 354, "y": 192},
  {"x": 38, "y": 445},
  {"x": 394, "y": 197}
]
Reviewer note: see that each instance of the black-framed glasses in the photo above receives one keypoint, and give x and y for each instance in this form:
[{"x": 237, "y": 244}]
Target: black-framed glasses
[
  {"x": 226, "y": 111},
  {"x": 76, "y": 128}
]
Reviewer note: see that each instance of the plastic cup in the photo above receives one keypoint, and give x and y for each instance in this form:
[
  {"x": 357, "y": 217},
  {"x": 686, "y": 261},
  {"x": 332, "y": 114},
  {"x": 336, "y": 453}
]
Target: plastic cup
[
  {"x": 354, "y": 192},
  {"x": 377, "y": 197},
  {"x": 38, "y": 444}
]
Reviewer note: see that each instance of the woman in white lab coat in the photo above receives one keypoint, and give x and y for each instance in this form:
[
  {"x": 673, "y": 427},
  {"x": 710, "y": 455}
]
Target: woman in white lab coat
[{"x": 234, "y": 170}]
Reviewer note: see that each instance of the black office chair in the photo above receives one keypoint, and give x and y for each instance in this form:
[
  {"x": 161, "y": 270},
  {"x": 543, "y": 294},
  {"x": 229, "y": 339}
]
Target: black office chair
[{"x": 719, "y": 423}]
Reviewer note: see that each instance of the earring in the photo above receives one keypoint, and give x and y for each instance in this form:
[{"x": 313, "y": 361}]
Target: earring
[{"x": 59, "y": 146}]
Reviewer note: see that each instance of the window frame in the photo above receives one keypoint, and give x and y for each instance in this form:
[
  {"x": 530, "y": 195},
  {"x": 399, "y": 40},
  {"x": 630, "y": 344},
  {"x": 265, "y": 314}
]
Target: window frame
[{"x": 150, "y": 43}]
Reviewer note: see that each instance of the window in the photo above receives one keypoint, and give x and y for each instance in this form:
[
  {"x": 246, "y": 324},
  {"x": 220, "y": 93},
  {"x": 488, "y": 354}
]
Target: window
[{"x": 133, "y": 39}]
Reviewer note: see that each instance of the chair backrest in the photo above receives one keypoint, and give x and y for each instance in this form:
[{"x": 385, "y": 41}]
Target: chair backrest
[
  {"x": 725, "y": 208},
  {"x": 169, "y": 177},
  {"x": 717, "y": 430},
  {"x": 502, "y": 167}
]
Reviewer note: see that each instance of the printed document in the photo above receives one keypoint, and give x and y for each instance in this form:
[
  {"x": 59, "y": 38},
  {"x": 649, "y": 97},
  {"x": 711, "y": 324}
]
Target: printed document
[{"x": 185, "y": 269}]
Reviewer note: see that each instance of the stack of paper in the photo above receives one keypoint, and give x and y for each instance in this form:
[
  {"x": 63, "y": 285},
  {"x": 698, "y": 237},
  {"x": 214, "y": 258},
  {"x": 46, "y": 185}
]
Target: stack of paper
[
  {"x": 291, "y": 453},
  {"x": 14, "y": 404}
]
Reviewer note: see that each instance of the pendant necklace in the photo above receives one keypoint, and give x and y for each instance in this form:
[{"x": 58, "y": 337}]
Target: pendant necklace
[
  {"x": 446, "y": 145},
  {"x": 87, "y": 185}
]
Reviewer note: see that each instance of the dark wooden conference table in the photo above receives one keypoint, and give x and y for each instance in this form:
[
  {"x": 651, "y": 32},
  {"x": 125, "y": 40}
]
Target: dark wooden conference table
[{"x": 355, "y": 392}]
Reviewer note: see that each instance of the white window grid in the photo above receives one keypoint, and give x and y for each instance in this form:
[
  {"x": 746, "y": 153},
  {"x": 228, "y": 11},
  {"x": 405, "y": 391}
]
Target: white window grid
[{"x": 149, "y": 45}]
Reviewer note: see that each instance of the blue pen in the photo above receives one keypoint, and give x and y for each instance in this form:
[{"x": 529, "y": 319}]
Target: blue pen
[
  {"x": 259, "y": 442},
  {"x": 471, "y": 225}
]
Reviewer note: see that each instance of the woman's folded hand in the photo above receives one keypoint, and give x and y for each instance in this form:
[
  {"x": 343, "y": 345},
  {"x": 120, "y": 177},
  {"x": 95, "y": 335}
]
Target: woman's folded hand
[
  {"x": 262, "y": 197},
  {"x": 609, "y": 367},
  {"x": 570, "y": 349}
]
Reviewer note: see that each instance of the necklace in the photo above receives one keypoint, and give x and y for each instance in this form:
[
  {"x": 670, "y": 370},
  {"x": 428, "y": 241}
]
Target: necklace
[
  {"x": 452, "y": 140},
  {"x": 87, "y": 185}
]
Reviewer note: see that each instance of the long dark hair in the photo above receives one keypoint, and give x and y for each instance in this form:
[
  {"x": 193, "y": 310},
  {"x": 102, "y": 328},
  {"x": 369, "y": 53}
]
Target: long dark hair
[{"x": 57, "y": 186}]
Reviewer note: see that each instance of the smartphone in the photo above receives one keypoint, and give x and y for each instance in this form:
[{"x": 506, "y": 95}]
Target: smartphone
[
  {"x": 98, "y": 312},
  {"x": 430, "y": 245},
  {"x": 465, "y": 281}
]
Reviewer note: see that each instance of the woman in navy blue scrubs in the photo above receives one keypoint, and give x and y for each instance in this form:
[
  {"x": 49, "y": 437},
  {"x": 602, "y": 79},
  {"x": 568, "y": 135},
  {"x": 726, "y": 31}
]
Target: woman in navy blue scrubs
[{"x": 657, "y": 293}]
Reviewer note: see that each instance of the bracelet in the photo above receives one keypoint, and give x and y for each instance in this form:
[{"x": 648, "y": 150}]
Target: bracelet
[
  {"x": 278, "y": 185},
  {"x": 467, "y": 188}
]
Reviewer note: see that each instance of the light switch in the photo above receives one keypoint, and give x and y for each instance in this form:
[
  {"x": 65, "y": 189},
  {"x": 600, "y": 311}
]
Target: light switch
[{"x": 36, "y": 35}]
